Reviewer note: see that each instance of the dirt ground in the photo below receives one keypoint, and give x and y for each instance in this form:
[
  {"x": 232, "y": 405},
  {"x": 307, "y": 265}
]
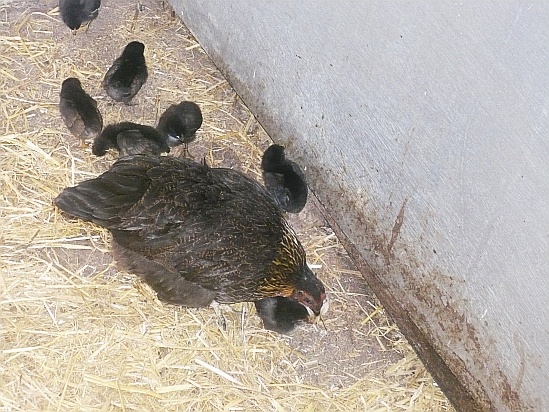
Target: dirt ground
[{"x": 356, "y": 359}]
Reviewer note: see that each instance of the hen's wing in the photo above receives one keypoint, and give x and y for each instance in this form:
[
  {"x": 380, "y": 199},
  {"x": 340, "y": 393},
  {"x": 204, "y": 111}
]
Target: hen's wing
[{"x": 169, "y": 285}]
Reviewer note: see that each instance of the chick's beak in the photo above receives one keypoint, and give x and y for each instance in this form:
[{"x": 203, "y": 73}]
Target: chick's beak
[
  {"x": 319, "y": 308},
  {"x": 313, "y": 318}
]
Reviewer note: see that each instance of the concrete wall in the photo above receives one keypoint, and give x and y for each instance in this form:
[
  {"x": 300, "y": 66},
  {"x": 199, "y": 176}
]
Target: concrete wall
[{"x": 424, "y": 130}]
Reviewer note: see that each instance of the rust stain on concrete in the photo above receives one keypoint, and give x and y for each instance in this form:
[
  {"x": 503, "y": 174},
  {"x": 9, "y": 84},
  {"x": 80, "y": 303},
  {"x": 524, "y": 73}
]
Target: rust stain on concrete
[{"x": 399, "y": 221}]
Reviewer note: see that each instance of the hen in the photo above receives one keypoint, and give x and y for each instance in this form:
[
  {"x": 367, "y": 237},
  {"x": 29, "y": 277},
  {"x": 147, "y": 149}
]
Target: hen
[{"x": 196, "y": 234}]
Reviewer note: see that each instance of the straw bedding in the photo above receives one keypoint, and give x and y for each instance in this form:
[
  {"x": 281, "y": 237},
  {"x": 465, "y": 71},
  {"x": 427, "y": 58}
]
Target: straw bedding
[{"x": 76, "y": 334}]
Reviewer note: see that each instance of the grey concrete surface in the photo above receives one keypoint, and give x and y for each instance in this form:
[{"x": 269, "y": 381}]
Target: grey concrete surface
[{"x": 423, "y": 127}]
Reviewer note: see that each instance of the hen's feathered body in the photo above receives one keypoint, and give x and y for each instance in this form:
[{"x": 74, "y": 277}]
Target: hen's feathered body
[
  {"x": 79, "y": 110},
  {"x": 129, "y": 138},
  {"x": 195, "y": 233},
  {"x": 127, "y": 74}
]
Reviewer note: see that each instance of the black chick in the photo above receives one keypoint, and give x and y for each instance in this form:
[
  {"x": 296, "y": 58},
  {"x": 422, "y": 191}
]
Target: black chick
[
  {"x": 79, "y": 110},
  {"x": 196, "y": 234},
  {"x": 74, "y": 13},
  {"x": 179, "y": 123},
  {"x": 127, "y": 74},
  {"x": 281, "y": 314},
  {"x": 129, "y": 139},
  {"x": 284, "y": 179}
]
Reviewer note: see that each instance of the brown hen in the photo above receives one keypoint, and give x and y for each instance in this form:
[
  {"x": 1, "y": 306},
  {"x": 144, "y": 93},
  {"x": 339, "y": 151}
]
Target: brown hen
[{"x": 196, "y": 234}]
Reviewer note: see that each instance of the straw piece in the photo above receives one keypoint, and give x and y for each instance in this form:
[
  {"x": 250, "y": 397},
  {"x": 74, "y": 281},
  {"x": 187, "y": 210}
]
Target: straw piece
[{"x": 218, "y": 371}]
